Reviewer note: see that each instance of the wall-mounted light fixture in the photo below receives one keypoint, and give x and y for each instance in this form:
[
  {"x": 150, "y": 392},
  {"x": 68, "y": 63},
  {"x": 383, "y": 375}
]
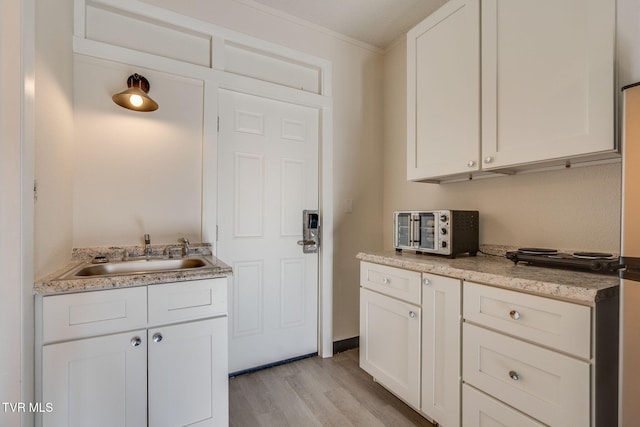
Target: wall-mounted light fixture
[{"x": 135, "y": 97}]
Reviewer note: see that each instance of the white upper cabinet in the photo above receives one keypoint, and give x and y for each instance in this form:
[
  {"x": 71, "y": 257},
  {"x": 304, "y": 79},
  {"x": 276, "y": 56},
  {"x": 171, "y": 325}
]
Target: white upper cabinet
[
  {"x": 443, "y": 96},
  {"x": 547, "y": 80},
  {"x": 510, "y": 85}
]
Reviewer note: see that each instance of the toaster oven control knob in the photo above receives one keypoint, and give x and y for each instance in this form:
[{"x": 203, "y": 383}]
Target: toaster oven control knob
[
  {"x": 443, "y": 218},
  {"x": 443, "y": 230},
  {"x": 444, "y": 244}
]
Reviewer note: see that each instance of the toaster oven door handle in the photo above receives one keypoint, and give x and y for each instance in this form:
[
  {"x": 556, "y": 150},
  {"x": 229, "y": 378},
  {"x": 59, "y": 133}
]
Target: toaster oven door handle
[{"x": 415, "y": 231}]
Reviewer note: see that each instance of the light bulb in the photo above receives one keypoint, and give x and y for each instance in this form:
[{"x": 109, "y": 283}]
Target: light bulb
[{"x": 136, "y": 100}]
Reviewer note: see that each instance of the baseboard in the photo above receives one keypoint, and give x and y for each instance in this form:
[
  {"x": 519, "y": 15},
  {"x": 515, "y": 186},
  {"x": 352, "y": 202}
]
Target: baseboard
[
  {"x": 271, "y": 365},
  {"x": 344, "y": 345}
]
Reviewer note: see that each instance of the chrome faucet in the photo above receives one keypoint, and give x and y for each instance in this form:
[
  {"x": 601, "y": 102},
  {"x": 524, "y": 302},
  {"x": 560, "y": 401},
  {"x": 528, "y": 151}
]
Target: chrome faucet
[
  {"x": 185, "y": 246},
  {"x": 147, "y": 245}
]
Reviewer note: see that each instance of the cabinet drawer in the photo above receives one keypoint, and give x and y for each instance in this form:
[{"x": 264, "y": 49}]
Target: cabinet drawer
[
  {"x": 556, "y": 324},
  {"x": 85, "y": 314},
  {"x": 395, "y": 282},
  {"x": 482, "y": 410},
  {"x": 187, "y": 300},
  {"x": 546, "y": 385}
]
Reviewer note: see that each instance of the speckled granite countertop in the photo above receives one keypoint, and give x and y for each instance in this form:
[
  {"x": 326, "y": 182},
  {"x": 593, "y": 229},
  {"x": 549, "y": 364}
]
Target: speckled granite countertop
[
  {"x": 53, "y": 284},
  {"x": 569, "y": 285}
]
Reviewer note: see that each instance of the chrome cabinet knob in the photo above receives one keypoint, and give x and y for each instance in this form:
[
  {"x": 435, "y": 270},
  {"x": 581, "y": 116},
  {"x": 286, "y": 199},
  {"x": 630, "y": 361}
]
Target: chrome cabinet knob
[
  {"x": 412, "y": 314},
  {"x": 471, "y": 163},
  {"x": 385, "y": 281},
  {"x": 514, "y": 314},
  {"x": 488, "y": 159},
  {"x": 426, "y": 281},
  {"x": 514, "y": 375},
  {"x": 136, "y": 341},
  {"x": 157, "y": 337}
]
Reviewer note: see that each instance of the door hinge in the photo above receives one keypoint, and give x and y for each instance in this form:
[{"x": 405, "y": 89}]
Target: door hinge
[
  {"x": 35, "y": 190},
  {"x": 216, "y": 233},
  {"x": 218, "y": 123}
]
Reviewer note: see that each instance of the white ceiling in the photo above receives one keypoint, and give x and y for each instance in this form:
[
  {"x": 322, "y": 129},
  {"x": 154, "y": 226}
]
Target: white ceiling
[{"x": 376, "y": 22}]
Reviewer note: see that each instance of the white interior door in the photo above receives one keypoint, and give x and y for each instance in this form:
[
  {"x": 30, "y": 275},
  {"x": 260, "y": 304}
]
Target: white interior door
[{"x": 267, "y": 175}]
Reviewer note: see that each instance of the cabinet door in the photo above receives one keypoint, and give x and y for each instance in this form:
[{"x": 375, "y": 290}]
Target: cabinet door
[
  {"x": 390, "y": 344},
  {"x": 441, "y": 313},
  {"x": 188, "y": 374},
  {"x": 547, "y": 80},
  {"x": 98, "y": 382},
  {"x": 443, "y": 92}
]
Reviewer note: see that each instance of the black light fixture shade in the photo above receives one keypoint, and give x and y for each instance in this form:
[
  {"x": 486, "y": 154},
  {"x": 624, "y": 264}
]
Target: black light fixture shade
[{"x": 135, "y": 97}]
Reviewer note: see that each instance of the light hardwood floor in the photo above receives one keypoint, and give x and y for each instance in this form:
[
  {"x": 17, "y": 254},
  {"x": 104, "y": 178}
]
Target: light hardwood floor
[{"x": 316, "y": 392}]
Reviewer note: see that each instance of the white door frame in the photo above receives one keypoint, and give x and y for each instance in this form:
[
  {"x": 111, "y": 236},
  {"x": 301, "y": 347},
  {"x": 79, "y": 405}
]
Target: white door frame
[
  {"x": 210, "y": 180},
  {"x": 215, "y": 77}
]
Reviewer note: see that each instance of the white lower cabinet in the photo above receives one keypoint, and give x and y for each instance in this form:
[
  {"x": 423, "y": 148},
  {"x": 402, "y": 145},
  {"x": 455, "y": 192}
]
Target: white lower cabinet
[
  {"x": 410, "y": 338},
  {"x": 468, "y": 354},
  {"x": 390, "y": 344},
  {"x": 530, "y": 357},
  {"x": 136, "y": 371}
]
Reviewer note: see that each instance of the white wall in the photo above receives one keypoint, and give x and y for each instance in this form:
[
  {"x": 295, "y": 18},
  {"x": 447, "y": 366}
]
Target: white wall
[
  {"x": 53, "y": 136},
  {"x": 357, "y": 137},
  {"x": 10, "y": 230},
  {"x": 135, "y": 172}
]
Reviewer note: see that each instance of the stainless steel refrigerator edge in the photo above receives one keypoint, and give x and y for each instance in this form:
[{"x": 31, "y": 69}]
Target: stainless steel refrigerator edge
[{"x": 629, "y": 380}]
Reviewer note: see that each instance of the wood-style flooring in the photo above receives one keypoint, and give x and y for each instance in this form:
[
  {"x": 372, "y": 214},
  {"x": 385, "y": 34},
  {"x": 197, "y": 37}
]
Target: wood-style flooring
[{"x": 316, "y": 392}]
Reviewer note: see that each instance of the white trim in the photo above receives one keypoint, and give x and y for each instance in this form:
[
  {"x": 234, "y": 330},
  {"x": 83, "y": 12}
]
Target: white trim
[
  {"x": 325, "y": 309},
  {"x": 214, "y": 79},
  {"x": 137, "y": 9}
]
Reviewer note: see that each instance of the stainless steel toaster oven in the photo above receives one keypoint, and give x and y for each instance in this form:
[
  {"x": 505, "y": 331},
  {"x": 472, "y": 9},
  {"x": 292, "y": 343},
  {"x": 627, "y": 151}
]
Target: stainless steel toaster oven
[{"x": 441, "y": 232}]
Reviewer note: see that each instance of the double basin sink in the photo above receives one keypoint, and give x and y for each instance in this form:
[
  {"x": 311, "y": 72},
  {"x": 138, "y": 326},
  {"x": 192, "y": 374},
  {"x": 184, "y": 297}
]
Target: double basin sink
[{"x": 135, "y": 266}]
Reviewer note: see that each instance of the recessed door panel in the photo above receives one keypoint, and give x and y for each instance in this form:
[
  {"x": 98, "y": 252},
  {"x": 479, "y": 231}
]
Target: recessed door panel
[{"x": 273, "y": 299}]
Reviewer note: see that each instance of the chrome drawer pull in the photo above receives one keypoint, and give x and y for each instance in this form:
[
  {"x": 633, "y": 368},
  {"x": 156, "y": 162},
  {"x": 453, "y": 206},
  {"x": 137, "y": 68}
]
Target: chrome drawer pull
[
  {"x": 514, "y": 375},
  {"x": 514, "y": 314},
  {"x": 412, "y": 314}
]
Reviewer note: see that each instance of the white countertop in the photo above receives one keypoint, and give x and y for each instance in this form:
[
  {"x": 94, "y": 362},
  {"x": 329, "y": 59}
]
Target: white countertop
[{"x": 569, "y": 285}]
